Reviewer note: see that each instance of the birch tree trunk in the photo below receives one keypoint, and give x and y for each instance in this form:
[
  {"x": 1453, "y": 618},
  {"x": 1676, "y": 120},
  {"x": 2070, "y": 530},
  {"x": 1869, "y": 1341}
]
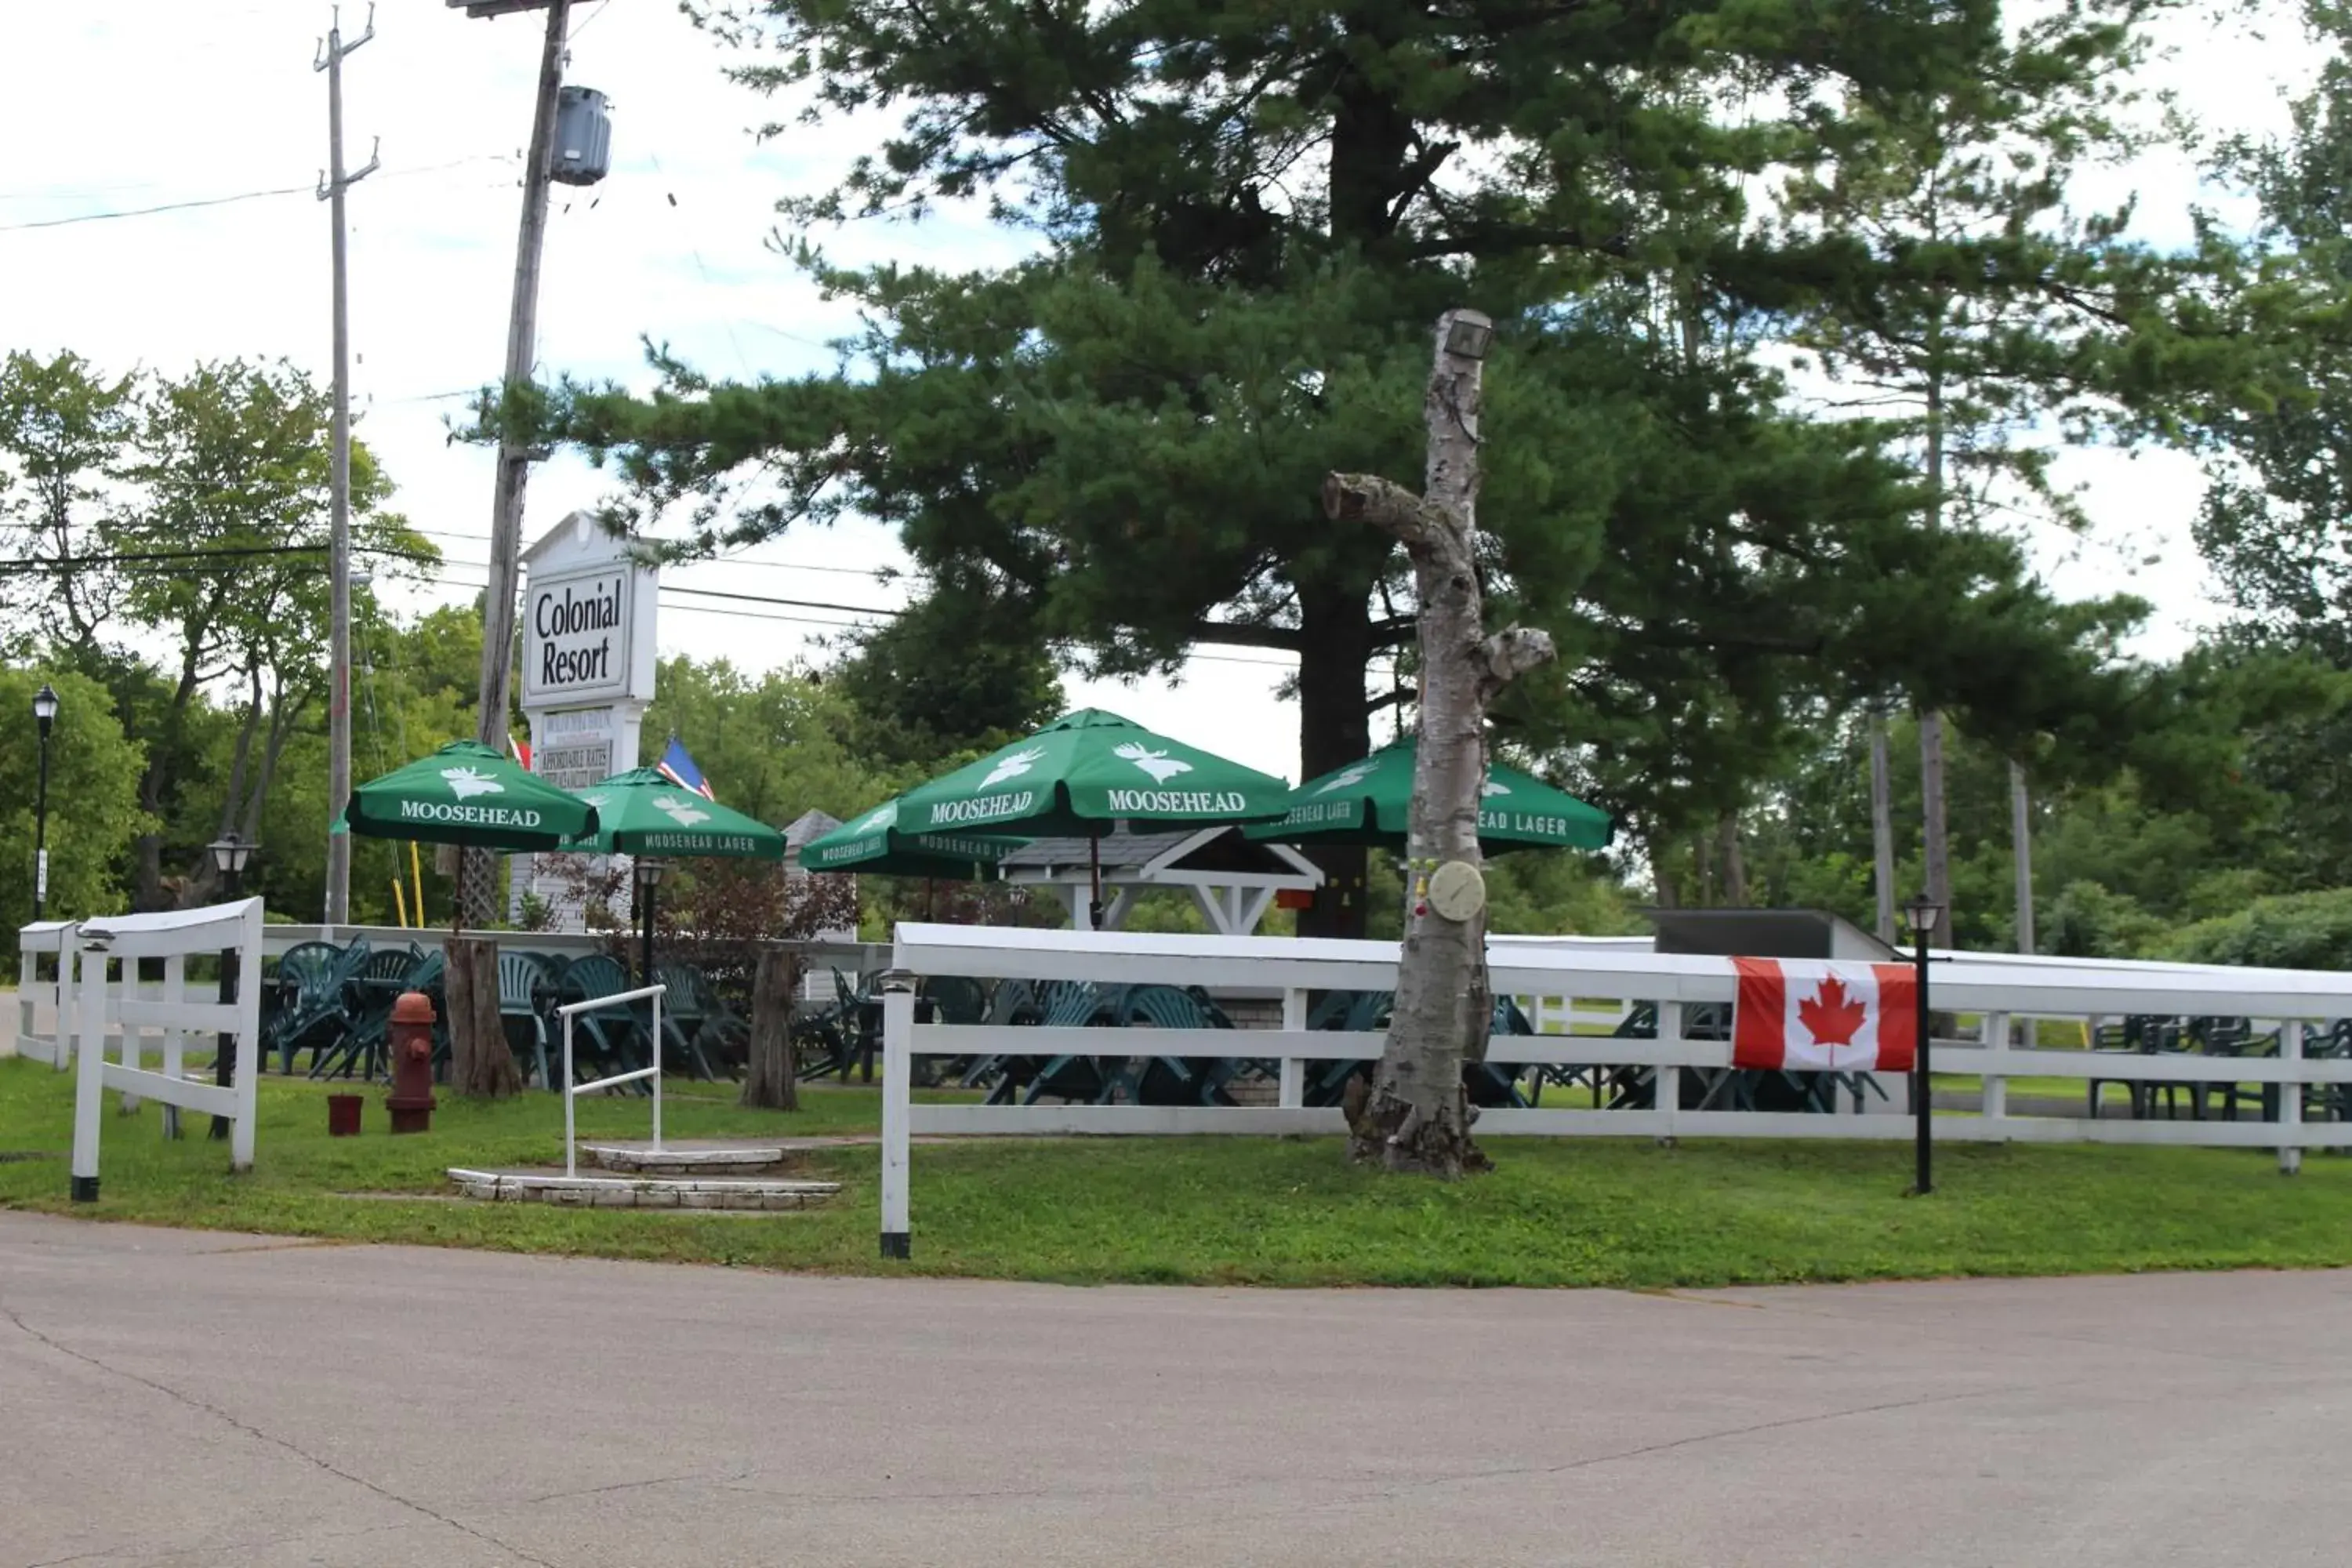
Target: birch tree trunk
[{"x": 1414, "y": 1116}]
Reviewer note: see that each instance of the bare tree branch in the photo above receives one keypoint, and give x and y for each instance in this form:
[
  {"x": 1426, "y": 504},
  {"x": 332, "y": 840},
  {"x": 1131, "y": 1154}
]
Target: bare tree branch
[{"x": 1386, "y": 505}]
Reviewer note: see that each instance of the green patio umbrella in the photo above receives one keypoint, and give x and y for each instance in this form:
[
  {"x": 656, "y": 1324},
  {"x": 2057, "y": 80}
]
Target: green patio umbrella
[
  {"x": 873, "y": 844},
  {"x": 467, "y": 793},
  {"x": 648, "y": 814},
  {"x": 644, "y": 812},
  {"x": 1082, "y": 774},
  {"x": 1371, "y": 802}
]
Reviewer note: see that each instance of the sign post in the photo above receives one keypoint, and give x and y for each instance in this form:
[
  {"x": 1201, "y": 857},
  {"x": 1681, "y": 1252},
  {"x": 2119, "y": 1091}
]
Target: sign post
[{"x": 588, "y": 657}]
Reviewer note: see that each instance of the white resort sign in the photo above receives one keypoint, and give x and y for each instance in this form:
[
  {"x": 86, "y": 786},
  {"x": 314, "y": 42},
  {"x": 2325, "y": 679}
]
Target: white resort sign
[
  {"x": 588, "y": 649},
  {"x": 578, "y": 627}
]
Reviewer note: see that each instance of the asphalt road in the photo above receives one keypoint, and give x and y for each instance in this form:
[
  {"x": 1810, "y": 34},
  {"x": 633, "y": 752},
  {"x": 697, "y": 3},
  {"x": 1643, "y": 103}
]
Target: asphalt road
[{"x": 199, "y": 1400}]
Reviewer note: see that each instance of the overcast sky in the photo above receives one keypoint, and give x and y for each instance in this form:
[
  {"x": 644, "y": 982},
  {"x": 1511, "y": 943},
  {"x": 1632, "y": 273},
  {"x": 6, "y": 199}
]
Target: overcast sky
[{"x": 142, "y": 103}]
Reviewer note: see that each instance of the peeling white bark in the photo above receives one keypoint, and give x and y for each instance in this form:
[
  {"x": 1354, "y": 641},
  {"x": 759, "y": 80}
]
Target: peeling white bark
[{"x": 1414, "y": 1116}]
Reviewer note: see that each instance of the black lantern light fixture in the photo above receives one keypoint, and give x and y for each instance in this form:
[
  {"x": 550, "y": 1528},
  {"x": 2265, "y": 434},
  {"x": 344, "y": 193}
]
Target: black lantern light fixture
[{"x": 649, "y": 871}]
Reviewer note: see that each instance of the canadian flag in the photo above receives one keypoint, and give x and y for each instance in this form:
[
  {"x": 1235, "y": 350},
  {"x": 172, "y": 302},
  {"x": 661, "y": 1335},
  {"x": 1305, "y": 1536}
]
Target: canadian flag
[{"x": 1809, "y": 1015}]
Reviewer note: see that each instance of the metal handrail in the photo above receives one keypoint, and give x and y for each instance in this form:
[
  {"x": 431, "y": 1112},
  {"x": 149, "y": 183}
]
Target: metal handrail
[{"x": 591, "y": 1004}]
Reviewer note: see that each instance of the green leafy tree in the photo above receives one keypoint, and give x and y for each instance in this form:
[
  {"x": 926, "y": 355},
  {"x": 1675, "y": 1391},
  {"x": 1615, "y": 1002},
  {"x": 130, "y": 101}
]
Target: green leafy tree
[
  {"x": 2276, "y": 524},
  {"x": 1996, "y": 317},
  {"x": 961, "y": 669},
  {"x": 1246, "y": 217},
  {"x": 63, "y": 429},
  {"x": 774, "y": 746},
  {"x": 223, "y": 550},
  {"x": 94, "y": 812}
]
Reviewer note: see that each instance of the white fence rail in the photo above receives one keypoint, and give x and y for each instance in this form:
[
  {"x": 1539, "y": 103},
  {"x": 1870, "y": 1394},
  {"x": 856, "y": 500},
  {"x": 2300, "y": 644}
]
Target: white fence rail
[
  {"x": 1991, "y": 990},
  {"x": 55, "y": 939},
  {"x": 100, "y": 1010},
  {"x": 571, "y": 1090}
]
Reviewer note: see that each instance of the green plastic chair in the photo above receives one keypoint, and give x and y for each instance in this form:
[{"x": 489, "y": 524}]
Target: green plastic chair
[
  {"x": 614, "y": 1036},
  {"x": 526, "y": 984},
  {"x": 305, "y": 999}
]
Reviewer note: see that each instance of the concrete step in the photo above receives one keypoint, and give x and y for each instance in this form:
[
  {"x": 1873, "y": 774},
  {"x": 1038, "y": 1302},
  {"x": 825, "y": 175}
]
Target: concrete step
[
  {"x": 640, "y": 1191},
  {"x": 693, "y": 1160}
]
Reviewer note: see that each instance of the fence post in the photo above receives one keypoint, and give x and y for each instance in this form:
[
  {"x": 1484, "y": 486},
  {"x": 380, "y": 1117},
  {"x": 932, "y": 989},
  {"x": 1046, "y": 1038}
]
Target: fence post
[
  {"x": 246, "y": 1073},
  {"x": 28, "y": 970},
  {"x": 897, "y": 1080},
  {"x": 2290, "y": 1154},
  {"x": 175, "y": 992},
  {"x": 90, "y": 1084},
  {"x": 134, "y": 1043},
  {"x": 1992, "y": 1032},
  {"x": 1294, "y": 1069},
  {"x": 571, "y": 1153},
  {"x": 1668, "y": 1099},
  {"x": 656, "y": 1000}
]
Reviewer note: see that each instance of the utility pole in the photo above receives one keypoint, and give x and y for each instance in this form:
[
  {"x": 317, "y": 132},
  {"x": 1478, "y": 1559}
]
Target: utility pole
[
  {"x": 331, "y": 186},
  {"x": 476, "y": 884}
]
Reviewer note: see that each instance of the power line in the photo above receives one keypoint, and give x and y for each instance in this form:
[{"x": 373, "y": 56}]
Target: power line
[
  {"x": 164, "y": 207},
  {"x": 729, "y": 561},
  {"x": 440, "y": 568},
  {"x": 238, "y": 196}
]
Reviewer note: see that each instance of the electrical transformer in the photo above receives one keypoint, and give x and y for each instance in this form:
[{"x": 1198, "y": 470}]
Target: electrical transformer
[{"x": 583, "y": 137}]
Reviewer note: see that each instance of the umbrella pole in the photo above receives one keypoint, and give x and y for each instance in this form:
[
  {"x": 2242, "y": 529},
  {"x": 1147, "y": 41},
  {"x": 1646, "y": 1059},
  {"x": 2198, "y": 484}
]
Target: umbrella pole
[
  {"x": 1094, "y": 872},
  {"x": 645, "y": 946}
]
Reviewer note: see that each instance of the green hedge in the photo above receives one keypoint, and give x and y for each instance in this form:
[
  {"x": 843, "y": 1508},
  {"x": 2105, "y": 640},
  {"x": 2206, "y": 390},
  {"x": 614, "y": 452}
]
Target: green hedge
[{"x": 2291, "y": 931}]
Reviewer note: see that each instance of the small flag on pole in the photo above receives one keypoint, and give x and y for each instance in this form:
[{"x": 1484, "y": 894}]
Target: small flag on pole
[
  {"x": 679, "y": 769},
  {"x": 1807, "y": 1016}
]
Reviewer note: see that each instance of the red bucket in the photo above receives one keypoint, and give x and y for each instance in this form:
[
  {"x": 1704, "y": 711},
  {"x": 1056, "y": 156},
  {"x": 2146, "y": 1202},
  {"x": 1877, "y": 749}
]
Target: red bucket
[{"x": 343, "y": 1115}]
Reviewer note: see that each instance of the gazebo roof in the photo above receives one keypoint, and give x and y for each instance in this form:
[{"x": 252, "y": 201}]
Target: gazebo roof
[{"x": 808, "y": 827}]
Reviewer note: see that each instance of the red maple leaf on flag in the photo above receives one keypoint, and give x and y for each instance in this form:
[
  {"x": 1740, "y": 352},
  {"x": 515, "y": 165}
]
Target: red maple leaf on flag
[{"x": 1829, "y": 1015}]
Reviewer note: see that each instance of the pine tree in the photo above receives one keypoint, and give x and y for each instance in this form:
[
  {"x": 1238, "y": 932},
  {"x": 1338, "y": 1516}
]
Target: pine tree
[{"x": 1246, "y": 214}]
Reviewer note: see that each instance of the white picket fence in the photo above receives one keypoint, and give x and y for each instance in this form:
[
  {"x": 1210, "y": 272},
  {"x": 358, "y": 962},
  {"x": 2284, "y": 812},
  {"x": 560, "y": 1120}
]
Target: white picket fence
[
  {"x": 103, "y": 1011},
  {"x": 54, "y": 940},
  {"x": 1993, "y": 989}
]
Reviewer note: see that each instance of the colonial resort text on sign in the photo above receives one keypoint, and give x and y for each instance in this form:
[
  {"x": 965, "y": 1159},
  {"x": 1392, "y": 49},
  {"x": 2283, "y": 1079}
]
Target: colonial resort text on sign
[{"x": 579, "y": 635}]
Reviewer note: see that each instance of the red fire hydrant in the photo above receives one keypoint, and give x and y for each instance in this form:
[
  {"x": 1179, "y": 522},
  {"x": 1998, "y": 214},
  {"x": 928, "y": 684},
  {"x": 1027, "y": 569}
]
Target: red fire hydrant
[{"x": 411, "y": 1102}]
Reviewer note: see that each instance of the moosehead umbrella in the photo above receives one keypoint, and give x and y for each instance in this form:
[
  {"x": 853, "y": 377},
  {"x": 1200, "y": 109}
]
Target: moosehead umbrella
[
  {"x": 647, "y": 813},
  {"x": 467, "y": 793},
  {"x": 1083, "y": 772},
  {"x": 1371, "y": 802},
  {"x": 873, "y": 844}
]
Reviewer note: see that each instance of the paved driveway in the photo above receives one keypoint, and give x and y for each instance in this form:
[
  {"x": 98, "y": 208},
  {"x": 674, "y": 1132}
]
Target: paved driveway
[{"x": 198, "y": 1400}]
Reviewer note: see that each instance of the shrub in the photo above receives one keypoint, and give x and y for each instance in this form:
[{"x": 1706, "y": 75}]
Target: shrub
[
  {"x": 2089, "y": 921},
  {"x": 2291, "y": 931}
]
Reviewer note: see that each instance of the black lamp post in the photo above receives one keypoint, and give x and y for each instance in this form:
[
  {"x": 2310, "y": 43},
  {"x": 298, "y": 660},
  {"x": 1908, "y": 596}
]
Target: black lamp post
[
  {"x": 1923, "y": 916},
  {"x": 229, "y": 854},
  {"x": 650, "y": 870},
  {"x": 45, "y": 715}
]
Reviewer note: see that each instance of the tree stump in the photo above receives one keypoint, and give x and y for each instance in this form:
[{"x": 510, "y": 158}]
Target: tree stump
[
  {"x": 480, "y": 1062},
  {"x": 770, "y": 1075}
]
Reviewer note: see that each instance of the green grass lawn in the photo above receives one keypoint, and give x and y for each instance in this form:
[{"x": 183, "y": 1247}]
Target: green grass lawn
[{"x": 1231, "y": 1210}]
